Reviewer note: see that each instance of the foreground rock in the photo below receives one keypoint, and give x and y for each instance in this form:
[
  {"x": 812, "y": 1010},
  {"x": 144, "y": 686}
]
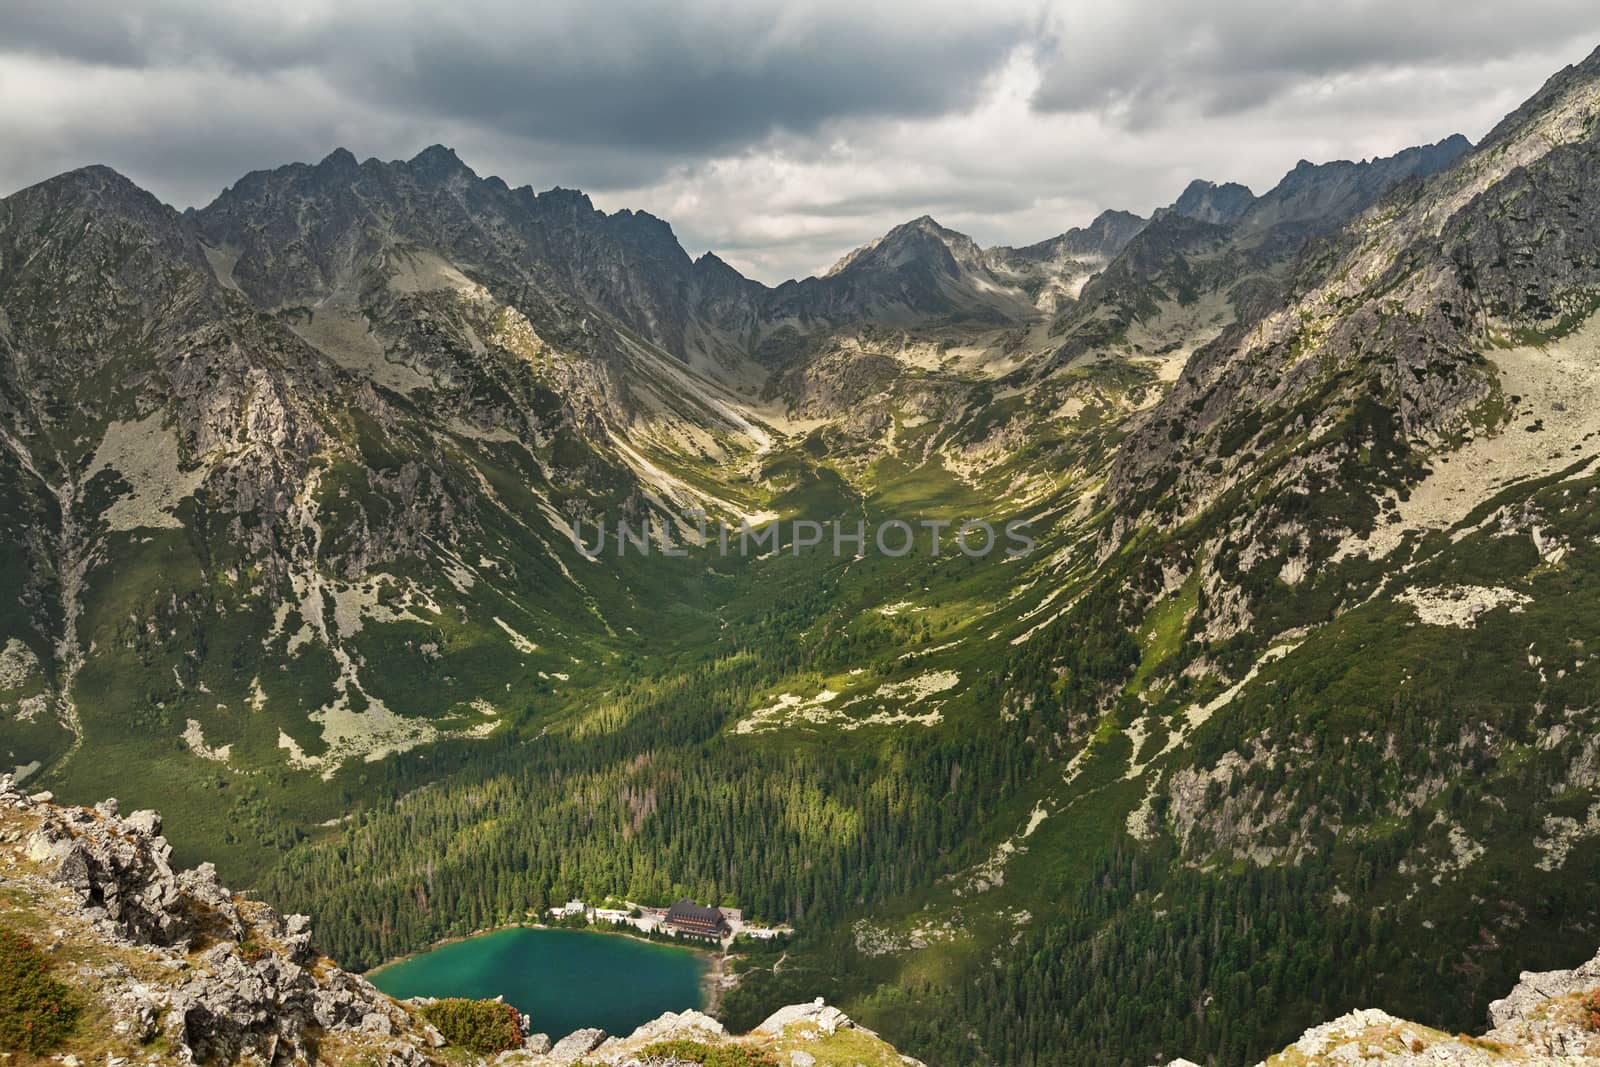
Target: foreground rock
[
  {"x": 177, "y": 962},
  {"x": 181, "y": 970},
  {"x": 801, "y": 1035}
]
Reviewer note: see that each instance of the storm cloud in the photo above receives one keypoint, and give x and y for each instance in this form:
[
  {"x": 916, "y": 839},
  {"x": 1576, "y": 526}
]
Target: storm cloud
[
  {"x": 1244, "y": 54},
  {"x": 780, "y": 134}
]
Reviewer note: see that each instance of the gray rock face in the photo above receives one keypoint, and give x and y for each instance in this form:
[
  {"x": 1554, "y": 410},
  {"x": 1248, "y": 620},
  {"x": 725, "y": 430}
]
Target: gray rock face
[
  {"x": 576, "y": 1045},
  {"x": 1385, "y": 321},
  {"x": 258, "y": 992},
  {"x": 117, "y": 869},
  {"x": 1536, "y": 987},
  {"x": 1206, "y": 201},
  {"x": 1320, "y": 197}
]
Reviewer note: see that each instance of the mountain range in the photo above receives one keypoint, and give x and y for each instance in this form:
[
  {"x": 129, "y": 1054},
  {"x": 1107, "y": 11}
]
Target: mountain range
[{"x": 1289, "y": 712}]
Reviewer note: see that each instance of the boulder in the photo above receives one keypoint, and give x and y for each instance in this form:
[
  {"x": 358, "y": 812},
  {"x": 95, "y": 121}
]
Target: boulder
[
  {"x": 688, "y": 1025},
  {"x": 577, "y": 1045},
  {"x": 825, "y": 1018}
]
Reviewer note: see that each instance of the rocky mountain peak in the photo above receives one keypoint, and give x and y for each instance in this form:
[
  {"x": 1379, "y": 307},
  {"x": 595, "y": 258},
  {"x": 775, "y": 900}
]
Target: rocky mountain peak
[
  {"x": 921, "y": 241},
  {"x": 1320, "y": 197},
  {"x": 93, "y": 176},
  {"x": 1419, "y": 160},
  {"x": 1570, "y": 93},
  {"x": 100, "y": 191},
  {"x": 570, "y": 205},
  {"x": 1108, "y": 234},
  {"x": 339, "y": 161},
  {"x": 440, "y": 163},
  {"x": 1104, "y": 238},
  {"x": 1207, "y": 201},
  {"x": 91, "y": 226},
  {"x": 711, "y": 262},
  {"x": 1314, "y": 197},
  {"x": 647, "y": 231},
  {"x": 714, "y": 272}
]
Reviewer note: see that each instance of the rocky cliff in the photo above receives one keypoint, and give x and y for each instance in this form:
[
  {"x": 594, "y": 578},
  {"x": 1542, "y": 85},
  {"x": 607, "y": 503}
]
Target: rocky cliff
[{"x": 169, "y": 966}]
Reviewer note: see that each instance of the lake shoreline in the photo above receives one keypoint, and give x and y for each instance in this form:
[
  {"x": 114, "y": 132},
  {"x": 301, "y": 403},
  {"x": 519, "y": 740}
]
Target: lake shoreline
[
  {"x": 442, "y": 942},
  {"x": 458, "y": 938},
  {"x": 565, "y": 978},
  {"x": 716, "y": 982}
]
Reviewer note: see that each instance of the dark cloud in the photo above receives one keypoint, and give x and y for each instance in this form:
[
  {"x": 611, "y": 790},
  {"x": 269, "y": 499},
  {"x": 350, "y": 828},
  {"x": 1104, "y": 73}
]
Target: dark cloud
[
  {"x": 1137, "y": 62},
  {"x": 671, "y": 85},
  {"x": 678, "y": 80},
  {"x": 781, "y": 132}
]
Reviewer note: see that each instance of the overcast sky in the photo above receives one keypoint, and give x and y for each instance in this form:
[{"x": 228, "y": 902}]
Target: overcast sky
[{"x": 779, "y": 134}]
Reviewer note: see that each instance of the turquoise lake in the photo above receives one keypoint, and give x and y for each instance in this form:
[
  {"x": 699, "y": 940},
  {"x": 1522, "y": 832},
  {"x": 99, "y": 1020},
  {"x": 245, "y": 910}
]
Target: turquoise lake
[{"x": 564, "y": 980}]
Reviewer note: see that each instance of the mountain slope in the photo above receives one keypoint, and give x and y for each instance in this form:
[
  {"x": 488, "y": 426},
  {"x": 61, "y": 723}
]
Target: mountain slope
[
  {"x": 1349, "y": 549},
  {"x": 281, "y": 482}
]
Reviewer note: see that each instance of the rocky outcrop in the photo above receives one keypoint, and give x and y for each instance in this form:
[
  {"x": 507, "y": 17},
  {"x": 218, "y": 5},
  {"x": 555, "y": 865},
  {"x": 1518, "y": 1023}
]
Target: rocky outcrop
[
  {"x": 216, "y": 977},
  {"x": 119, "y": 870},
  {"x": 824, "y": 1017},
  {"x": 1542, "y": 1013}
]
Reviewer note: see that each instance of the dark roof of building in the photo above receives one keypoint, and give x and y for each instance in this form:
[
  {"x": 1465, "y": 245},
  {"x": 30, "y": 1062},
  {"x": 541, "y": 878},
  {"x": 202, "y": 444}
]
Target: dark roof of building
[{"x": 688, "y": 913}]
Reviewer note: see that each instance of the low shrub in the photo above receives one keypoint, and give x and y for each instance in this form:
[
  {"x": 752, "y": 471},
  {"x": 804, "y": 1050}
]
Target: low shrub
[
  {"x": 709, "y": 1055},
  {"x": 481, "y": 1026},
  {"x": 1590, "y": 1006},
  {"x": 37, "y": 1013}
]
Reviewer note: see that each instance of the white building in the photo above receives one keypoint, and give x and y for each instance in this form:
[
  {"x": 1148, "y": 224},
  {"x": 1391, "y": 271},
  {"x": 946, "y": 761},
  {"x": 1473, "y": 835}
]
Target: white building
[{"x": 765, "y": 933}]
